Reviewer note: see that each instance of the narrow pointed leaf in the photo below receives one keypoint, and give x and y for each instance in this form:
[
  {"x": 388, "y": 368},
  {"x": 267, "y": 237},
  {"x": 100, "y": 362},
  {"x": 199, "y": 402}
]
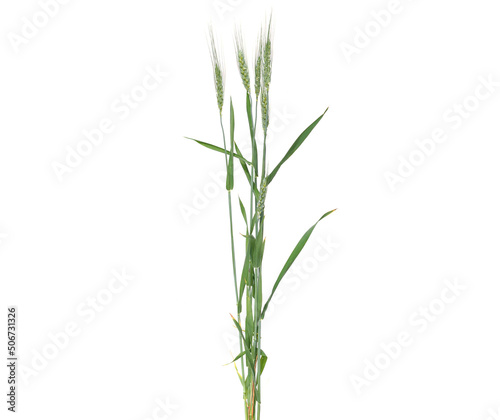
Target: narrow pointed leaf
[
  {"x": 263, "y": 361},
  {"x": 296, "y": 251},
  {"x": 247, "y": 172},
  {"x": 296, "y": 144},
  {"x": 249, "y": 326},
  {"x": 240, "y": 295},
  {"x": 251, "y": 247},
  {"x": 253, "y": 221},
  {"x": 238, "y": 155},
  {"x": 239, "y": 375},
  {"x": 258, "y": 250},
  {"x": 220, "y": 150},
  {"x": 243, "y": 212},
  {"x": 258, "y": 297},
  {"x": 243, "y": 282},
  {"x": 247, "y": 349},
  {"x": 236, "y": 358},
  {"x": 255, "y": 157}
]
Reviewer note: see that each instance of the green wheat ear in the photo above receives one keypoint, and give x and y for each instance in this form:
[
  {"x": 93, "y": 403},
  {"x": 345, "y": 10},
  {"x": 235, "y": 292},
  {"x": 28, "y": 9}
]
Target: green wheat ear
[
  {"x": 242, "y": 59},
  {"x": 266, "y": 58},
  {"x": 262, "y": 197},
  {"x": 264, "y": 105},
  {"x": 218, "y": 69},
  {"x": 258, "y": 66},
  {"x": 267, "y": 54}
]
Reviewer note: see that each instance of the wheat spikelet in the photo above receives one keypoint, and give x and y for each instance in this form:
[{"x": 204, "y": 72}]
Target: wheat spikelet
[
  {"x": 262, "y": 197},
  {"x": 218, "y": 70},
  {"x": 258, "y": 67},
  {"x": 267, "y": 55},
  {"x": 264, "y": 106},
  {"x": 242, "y": 60}
]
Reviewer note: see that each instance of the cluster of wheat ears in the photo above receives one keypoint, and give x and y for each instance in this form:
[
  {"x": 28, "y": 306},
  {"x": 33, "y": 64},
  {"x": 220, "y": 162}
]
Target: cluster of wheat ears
[{"x": 248, "y": 286}]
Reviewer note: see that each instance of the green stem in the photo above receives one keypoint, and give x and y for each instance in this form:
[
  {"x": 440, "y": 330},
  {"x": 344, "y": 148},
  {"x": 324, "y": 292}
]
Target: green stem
[
  {"x": 256, "y": 111},
  {"x": 258, "y": 331},
  {"x": 258, "y": 328},
  {"x": 232, "y": 247},
  {"x": 252, "y": 195},
  {"x": 253, "y": 198},
  {"x": 264, "y": 150},
  {"x": 254, "y": 131}
]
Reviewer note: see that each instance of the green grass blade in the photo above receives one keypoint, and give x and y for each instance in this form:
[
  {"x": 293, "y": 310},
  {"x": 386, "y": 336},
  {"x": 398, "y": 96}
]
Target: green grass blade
[
  {"x": 255, "y": 156},
  {"x": 258, "y": 297},
  {"x": 221, "y": 150},
  {"x": 296, "y": 251},
  {"x": 245, "y": 279},
  {"x": 247, "y": 349},
  {"x": 238, "y": 155},
  {"x": 296, "y": 144},
  {"x": 258, "y": 251},
  {"x": 236, "y": 358},
  {"x": 246, "y": 171},
  {"x": 244, "y": 275},
  {"x": 263, "y": 361},
  {"x": 249, "y": 325},
  {"x": 253, "y": 221},
  {"x": 239, "y": 375},
  {"x": 243, "y": 212}
]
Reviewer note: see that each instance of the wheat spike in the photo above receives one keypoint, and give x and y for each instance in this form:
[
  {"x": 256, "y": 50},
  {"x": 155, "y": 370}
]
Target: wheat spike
[
  {"x": 218, "y": 70},
  {"x": 242, "y": 60}
]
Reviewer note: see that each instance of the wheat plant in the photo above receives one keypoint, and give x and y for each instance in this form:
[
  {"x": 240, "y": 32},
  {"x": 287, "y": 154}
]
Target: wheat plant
[{"x": 248, "y": 285}]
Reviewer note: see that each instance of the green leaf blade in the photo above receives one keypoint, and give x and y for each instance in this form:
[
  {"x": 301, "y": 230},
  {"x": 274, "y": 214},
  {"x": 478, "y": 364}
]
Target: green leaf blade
[
  {"x": 296, "y": 144},
  {"x": 295, "y": 253},
  {"x": 220, "y": 150},
  {"x": 248, "y": 354},
  {"x": 236, "y": 358},
  {"x": 243, "y": 212},
  {"x": 255, "y": 156}
]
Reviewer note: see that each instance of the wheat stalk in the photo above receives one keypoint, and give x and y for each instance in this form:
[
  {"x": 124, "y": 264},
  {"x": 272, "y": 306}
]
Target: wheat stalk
[{"x": 248, "y": 291}]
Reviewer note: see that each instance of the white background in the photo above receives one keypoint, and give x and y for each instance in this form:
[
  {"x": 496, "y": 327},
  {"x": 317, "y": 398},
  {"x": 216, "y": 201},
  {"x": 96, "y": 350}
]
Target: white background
[{"x": 168, "y": 332}]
